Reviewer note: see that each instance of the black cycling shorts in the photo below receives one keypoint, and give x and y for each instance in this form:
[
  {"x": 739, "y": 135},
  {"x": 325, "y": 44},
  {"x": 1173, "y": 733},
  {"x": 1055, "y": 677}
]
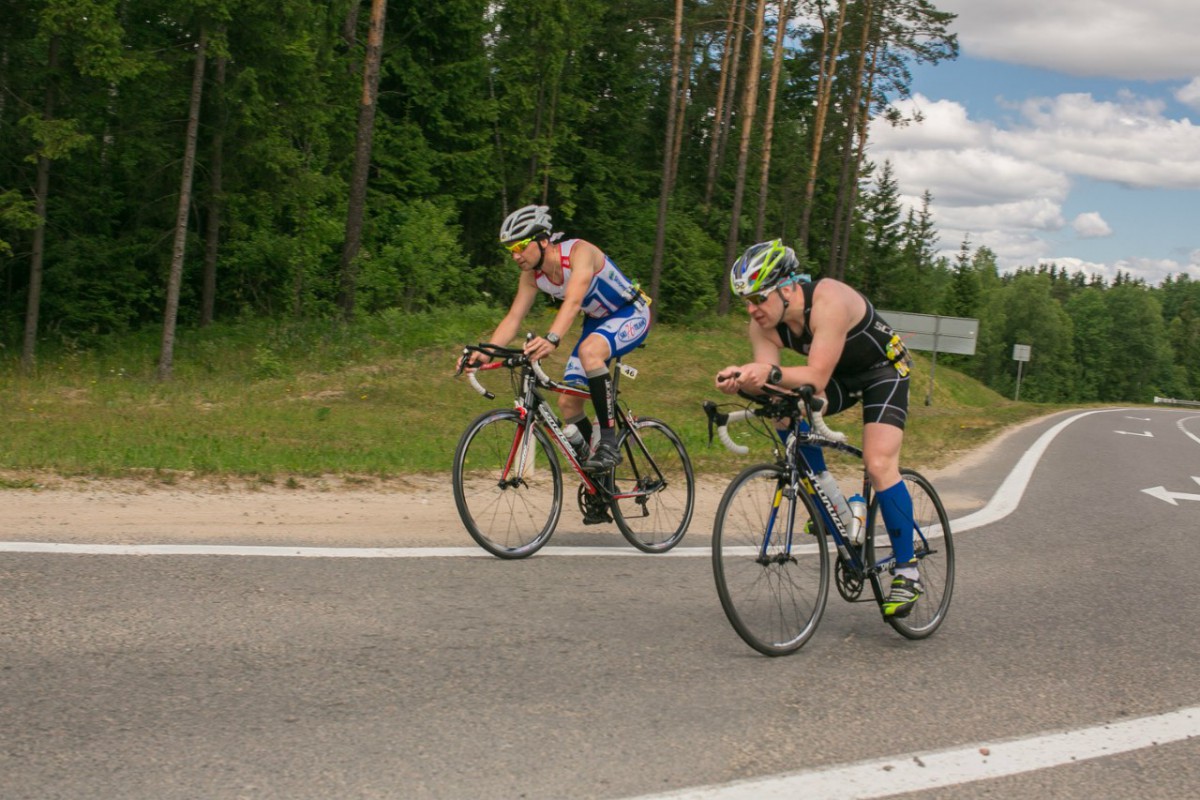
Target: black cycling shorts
[{"x": 883, "y": 391}]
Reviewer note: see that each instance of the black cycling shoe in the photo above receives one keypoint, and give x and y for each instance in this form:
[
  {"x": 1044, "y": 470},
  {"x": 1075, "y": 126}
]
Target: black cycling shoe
[{"x": 605, "y": 458}]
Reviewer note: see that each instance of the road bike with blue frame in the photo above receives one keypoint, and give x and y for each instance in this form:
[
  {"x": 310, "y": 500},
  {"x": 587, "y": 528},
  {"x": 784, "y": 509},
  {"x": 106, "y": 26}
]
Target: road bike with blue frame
[{"x": 775, "y": 526}]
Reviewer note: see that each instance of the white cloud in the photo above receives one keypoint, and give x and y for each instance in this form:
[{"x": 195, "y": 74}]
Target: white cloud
[
  {"x": 1004, "y": 187},
  {"x": 1152, "y": 270},
  {"x": 1089, "y": 268},
  {"x": 1189, "y": 95},
  {"x": 1129, "y": 142},
  {"x": 1091, "y": 226},
  {"x": 1146, "y": 40}
]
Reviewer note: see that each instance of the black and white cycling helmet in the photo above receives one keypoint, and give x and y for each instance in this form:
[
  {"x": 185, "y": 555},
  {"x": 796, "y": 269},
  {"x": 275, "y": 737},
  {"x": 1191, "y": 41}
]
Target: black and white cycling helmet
[{"x": 525, "y": 223}]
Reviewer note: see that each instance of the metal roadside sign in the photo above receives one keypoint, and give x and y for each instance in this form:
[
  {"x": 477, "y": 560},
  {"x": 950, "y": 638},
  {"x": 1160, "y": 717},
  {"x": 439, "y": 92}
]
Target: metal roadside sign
[{"x": 935, "y": 333}]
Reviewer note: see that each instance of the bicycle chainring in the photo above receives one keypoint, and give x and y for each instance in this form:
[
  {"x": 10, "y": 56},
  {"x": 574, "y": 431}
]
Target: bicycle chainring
[
  {"x": 594, "y": 507},
  {"x": 849, "y": 585}
]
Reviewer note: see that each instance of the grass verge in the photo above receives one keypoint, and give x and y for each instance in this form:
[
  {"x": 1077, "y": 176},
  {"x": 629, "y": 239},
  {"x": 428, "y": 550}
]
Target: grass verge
[{"x": 277, "y": 402}]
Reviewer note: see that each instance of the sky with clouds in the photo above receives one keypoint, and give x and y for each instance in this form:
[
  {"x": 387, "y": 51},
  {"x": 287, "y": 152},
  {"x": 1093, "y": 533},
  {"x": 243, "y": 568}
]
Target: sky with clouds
[{"x": 1063, "y": 133}]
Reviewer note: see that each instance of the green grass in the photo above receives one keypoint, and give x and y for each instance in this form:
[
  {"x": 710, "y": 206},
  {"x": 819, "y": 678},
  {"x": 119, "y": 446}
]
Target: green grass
[{"x": 282, "y": 402}]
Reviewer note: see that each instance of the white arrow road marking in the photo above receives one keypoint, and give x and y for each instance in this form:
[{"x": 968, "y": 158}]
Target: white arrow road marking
[
  {"x": 1133, "y": 433},
  {"x": 1162, "y": 493},
  {"x": 1139, "y": 419}
]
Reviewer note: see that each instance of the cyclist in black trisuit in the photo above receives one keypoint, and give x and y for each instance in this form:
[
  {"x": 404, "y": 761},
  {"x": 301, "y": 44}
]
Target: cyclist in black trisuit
[{"x": 852, "y": 354}]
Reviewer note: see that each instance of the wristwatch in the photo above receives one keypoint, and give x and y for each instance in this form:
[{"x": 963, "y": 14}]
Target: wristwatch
[
  {"x": 775, "y": 375},
  {"x": 552, "y": 338}
]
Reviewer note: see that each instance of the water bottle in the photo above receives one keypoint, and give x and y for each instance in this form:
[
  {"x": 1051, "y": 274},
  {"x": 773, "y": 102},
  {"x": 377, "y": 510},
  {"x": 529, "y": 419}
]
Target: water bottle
[
  {"x": 858, "y": 515},
  {"x": 575, "y": 437},
  {"x": 830, "y": 486}
]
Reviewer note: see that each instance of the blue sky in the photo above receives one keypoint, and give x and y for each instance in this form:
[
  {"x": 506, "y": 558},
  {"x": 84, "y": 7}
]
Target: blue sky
[{"x": 1066, "y": 131}]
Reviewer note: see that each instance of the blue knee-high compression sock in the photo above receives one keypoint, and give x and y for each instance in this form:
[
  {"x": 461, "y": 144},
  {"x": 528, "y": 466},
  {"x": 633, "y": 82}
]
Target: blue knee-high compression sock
[{"x": 897, "y": 507}]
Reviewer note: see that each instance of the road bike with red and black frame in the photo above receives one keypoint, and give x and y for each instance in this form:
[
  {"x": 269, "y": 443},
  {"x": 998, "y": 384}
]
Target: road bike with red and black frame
[{"x": 508, "y": 480}]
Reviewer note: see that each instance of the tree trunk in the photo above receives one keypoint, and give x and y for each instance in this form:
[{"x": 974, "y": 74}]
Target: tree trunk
[
  {"x": 848, "y": 181},
  {"x": 37, "y": 258},
  {"x": 167, "y": 354},
  {"x": 720, "y": 118},
  {"x": 549, "y": 160},
  {"x": 350, "y": 24},
  {"x": 362, "y": 160},
  {"x": 769, "y": 121},
  {"x": 734, "y": 77},
  {"x": 212, "y": 235},
  {"x": 859, "y": 156},
  {"x": 829, "y": 57},
  {"x": 664, "y": 193},
  {"x": 681, "y": 116},
  {"x": 749, "y": 106}
]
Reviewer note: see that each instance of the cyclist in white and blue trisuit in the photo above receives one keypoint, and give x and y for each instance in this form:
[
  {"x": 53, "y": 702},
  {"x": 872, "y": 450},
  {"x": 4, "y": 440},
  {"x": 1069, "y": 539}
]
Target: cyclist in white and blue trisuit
[
  {"x": 852, "y": 354},
  {"x": 617, "y": 316}
]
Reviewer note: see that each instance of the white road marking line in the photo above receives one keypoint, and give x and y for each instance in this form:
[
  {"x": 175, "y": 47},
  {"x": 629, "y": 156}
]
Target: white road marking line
[
  {"x": 314, "y": 552},
  {"x": 1003, "y": 502},
  {"x": 1008, "y": 496},
  {"x": 884, "y": 777},
  {"x": 1186, "y": 432}
]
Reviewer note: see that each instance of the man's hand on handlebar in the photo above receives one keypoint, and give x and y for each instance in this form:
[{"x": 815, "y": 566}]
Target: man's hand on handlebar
[
  {"x": 469, "y": 362},
  {"x": 538, "y": 347},
  {"x": 748, "y": 377}
]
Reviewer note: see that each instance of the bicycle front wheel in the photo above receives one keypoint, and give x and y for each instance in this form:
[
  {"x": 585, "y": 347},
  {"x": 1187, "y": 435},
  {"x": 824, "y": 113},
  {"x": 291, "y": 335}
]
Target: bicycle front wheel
[
  {"x": 934, "y": 549},
  {"x": 773, "y": 590},
  {"x": 507, "y": 484},
  {"x": 654, "y": 489}
]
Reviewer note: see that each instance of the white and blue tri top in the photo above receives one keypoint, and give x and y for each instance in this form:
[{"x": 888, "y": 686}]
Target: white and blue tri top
[{"x": 610, "y": 290}]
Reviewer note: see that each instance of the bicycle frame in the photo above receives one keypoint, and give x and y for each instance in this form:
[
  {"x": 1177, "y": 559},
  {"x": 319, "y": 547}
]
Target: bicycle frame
[
  {"x": 801, "y": 476},
  {"x": 534, "y": 409},
  {"x": 773, "y": 578}
]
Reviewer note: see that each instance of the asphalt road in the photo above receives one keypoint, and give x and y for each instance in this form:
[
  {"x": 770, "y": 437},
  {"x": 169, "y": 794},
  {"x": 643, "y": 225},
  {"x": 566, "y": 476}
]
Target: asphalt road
[{"x": 249, "y": 677}]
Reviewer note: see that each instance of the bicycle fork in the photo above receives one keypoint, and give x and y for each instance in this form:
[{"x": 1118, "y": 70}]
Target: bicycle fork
[{"x": 784, "y": 555}]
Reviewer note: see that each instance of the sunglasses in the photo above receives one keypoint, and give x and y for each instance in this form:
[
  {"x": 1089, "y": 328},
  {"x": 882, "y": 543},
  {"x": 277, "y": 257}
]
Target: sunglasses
[
  {"x": 517, "y": 247},
  {"x": 758, "y": 298}
]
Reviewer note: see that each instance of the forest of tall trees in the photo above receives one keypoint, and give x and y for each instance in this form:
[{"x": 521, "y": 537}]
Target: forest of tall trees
[{"x": 169, "y": 164}]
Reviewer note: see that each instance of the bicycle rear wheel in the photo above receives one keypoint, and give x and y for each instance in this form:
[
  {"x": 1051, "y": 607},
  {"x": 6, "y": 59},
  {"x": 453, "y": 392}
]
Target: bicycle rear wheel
[
  {"x": 509, "y": 504},
  {"x": 654, "y": 490},
  {"x": 773, "y": 592},
  {"x": 934, "y": 548}
]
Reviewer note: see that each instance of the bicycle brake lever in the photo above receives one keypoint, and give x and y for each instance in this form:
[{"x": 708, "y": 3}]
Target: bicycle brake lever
[{"x": 710, "y": 408}]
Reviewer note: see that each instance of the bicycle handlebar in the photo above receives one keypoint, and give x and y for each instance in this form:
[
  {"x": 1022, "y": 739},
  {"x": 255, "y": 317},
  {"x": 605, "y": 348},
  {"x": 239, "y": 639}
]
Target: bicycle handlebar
[
  {"x": 508, "y": 357},
  {"x": 775, "y": 402}
]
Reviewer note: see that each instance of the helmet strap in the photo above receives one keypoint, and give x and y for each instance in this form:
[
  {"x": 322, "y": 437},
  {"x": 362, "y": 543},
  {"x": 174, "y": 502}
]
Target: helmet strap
[{"x": 541, "y": 243}]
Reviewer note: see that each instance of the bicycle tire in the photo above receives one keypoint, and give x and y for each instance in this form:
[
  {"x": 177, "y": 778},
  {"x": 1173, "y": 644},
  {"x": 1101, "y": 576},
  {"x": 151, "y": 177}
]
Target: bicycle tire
[
  {"x": 656, "y": 462},
  {"x": 775, "y": 600},
  {"x": 934, "y": 548},
  {"x": 510, "y": 518}
]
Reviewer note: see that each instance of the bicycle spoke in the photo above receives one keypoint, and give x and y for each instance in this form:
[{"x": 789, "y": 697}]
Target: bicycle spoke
[
  {"x": 508, "y": 487},
  {"x": 934, "y": 549},
  {"x": 773, "y": 592},
  {"x": 653, "y": 487}
]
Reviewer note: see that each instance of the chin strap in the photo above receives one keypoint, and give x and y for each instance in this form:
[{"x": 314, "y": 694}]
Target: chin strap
[{"x": 541, "y": 243}]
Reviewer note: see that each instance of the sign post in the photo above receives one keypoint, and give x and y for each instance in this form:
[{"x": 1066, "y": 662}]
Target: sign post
[{"x": 1020, "y": 355}]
